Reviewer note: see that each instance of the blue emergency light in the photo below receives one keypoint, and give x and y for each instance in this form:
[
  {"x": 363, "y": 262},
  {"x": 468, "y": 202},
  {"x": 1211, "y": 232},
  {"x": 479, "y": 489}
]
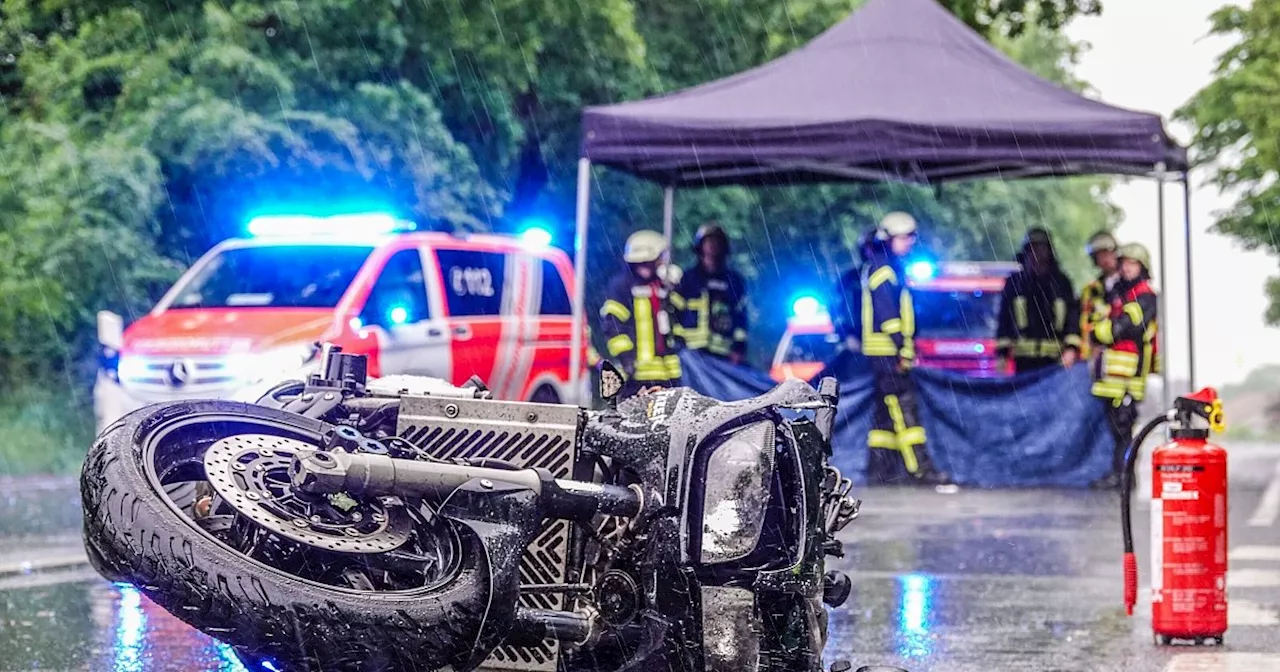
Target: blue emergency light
[
  {"x": 364, "y": 224},
  {"x": 535, "y": 236},
  {"x": 922, "y": 269},
  {"x": 806, "y": 307}
]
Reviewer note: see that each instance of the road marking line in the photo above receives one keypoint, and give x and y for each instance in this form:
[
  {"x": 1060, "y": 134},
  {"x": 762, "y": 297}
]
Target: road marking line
[
  {"x": 1224, "y": 662},
  {"x": 1266, "y": 553},
  {"x": 1246, "y": 612},
  {"x": 1269, "y": 508},
  {"x": 1253, "y": 578}
]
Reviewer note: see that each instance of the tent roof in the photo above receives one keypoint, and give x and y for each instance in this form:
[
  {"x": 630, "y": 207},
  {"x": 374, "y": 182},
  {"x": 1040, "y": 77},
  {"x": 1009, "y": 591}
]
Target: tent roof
[{"x": 900, "y": 90}]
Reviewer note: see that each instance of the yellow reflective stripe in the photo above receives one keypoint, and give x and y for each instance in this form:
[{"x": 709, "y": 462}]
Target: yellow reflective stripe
[
  {"x": 882, "y": 438},
  {"x": 907, "y": 312},
  {"x": 1050, "y": 348},
  {"x": 676, "y": 300},
  {"x": 1108, "y": 389},
  {"x": 892, "y": 325},
  {"x": 1059, "y": 314},
  {"x": 1137, "y": 388},
  {"x": 882, "y": 275},
  {"x": 878, "y": 345},
  {"x": 1134, "y": 311},
  {"x": 1116, "y": 363},
  {"x": 619, "y": 344},
  {"x": 1026, "y": 348},
  {"x": 895, "y": 412},
  {"x": 1020, "y": 312},
  {"x": 900, "y": 429},
  {"x": 1072, "y": 340},
  {"x": 615, "y": 309},
  {"x": 673, "y": 366},
  {"x": 1004, "y": 343},
  {"x": 911, "y": 436},
  {"x": 1102, "y": 332},
  {"x": 1150, "y": 334},
  {"x": 645, "y": 346}
]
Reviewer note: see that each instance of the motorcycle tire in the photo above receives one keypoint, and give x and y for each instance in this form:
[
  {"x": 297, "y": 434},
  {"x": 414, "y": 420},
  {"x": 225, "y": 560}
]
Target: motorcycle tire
[{"x": 133, "y": 533}]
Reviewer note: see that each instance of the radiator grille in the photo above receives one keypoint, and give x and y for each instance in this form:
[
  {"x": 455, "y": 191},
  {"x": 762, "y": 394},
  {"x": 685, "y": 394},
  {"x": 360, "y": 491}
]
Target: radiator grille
[{"x": 527, "y": 435}]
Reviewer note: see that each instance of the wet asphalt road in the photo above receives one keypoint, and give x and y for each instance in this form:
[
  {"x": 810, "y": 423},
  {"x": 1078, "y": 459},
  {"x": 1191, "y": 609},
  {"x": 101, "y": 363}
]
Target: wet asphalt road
[{"x": 977, "y": 581}]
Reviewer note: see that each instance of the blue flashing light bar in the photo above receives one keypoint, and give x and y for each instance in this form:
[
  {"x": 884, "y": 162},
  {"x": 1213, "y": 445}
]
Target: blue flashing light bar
[
  {"x": 807, "y": 307},
  {"x": 536, "y": 236},
  {"x": 364, "y": 224},
  {"x": 922, "y": 270}
]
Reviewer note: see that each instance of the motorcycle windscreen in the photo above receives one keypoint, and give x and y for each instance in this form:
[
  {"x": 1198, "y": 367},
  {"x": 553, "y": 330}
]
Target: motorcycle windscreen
[{"x": 736, "y": 496}]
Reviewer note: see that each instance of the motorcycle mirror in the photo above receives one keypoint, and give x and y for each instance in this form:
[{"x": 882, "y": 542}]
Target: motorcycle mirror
[{"x": 611, "y": 381}]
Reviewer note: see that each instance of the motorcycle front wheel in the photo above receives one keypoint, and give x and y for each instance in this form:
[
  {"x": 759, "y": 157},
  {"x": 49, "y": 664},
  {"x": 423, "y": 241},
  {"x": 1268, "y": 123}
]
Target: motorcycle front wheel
[{"x": 345, "y": 590}]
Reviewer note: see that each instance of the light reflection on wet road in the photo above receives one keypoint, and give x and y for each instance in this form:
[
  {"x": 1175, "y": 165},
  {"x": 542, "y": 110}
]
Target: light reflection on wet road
[{"x": 978, "y": 581}]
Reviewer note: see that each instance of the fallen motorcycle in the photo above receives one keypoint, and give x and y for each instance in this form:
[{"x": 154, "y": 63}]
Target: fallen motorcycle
[{"x": 407, "y": 524}]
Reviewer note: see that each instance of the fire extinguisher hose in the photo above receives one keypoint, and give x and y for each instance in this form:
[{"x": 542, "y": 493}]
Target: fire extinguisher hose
[{"x": 1126, "y": 517}]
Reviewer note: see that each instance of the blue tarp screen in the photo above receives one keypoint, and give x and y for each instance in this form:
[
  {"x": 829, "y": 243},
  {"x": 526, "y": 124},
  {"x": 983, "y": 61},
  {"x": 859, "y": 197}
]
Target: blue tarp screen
[{"x": 1035, "y": 429}]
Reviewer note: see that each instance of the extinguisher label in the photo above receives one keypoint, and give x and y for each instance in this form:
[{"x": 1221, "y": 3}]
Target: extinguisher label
[
  {"x": 1157, "y": 550},
  {"x": 1180, "y": 468}
]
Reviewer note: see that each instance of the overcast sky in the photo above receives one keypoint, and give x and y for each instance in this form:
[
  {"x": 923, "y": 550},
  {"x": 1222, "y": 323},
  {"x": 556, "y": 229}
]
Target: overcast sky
[{"x": 1153, "y": 55}]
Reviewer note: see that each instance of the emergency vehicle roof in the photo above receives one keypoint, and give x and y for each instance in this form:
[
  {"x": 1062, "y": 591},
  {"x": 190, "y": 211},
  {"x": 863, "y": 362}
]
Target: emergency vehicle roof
[{"x": 900, "y": 90}]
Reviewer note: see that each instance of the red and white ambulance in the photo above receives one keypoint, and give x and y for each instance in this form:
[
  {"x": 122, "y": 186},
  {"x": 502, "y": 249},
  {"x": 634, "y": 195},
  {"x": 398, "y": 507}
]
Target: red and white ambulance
[
  {"x": 249, "y": 313},
  {"x": 956, "y": 309}
]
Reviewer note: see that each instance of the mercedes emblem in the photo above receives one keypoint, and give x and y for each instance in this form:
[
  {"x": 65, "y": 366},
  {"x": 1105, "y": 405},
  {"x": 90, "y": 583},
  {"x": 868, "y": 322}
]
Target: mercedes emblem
[{"x": 180, "y": 372}]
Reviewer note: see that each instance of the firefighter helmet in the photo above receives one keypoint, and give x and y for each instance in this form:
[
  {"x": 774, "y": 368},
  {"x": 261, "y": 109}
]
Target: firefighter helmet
[
  {"x": 1101, "y": 241},
  {"x": 896, "y": 224},
  {"x": 707, "y": 231},
  {"x": 644, "y": 247},
  {"x": 1136, "y": 252}
]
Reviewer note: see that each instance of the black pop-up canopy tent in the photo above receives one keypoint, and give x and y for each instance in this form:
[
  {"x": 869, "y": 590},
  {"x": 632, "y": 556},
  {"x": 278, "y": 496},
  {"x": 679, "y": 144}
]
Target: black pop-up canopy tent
[{"x": 901, "y": 90}]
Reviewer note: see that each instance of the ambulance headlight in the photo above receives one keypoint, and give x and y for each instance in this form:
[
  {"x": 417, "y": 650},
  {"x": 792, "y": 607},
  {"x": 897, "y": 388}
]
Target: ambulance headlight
[
  {"x": 739, "y": 474},
  {"x": 274, "y": 365}
]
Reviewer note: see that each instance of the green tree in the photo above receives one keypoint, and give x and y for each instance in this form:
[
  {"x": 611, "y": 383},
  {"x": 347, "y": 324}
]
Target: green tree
[{"x": 1236, "y": 119}]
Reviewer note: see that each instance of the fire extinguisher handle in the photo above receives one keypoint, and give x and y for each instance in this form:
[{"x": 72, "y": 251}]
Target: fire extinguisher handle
[{"x": 1130, "y": 582}]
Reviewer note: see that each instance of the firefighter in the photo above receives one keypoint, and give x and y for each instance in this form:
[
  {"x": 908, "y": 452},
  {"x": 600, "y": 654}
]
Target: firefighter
[
  {"x": 888, "y": 332},
  {"x": 1037, "y": 324},
  {"x": 714, "y": 316},
  {"x": 638, "y": 317},
  {"x": 1092, "y": 305},
  {"x": 1127, "y": 337}
]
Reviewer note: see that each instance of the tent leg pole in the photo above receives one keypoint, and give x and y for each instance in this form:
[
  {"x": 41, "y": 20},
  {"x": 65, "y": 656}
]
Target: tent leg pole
[
  {"x": 668, "y": 216},
  {"x": 1165, "y": 386},
  {"x": 580, "y": 283},
  {"x": 1191, "y": 315}
]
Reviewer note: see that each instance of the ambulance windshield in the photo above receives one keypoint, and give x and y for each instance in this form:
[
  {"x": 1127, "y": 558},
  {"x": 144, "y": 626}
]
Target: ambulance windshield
[
  {"x": 956, "y": 314},
  {"x": 273, "y": 276}
]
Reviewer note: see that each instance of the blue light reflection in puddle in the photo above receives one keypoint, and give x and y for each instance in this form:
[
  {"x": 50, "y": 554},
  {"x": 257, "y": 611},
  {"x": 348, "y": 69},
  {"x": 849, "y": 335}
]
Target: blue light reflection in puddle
[
  {"x": 131, "y": 626},
  {"x": 915, "y": 616}
]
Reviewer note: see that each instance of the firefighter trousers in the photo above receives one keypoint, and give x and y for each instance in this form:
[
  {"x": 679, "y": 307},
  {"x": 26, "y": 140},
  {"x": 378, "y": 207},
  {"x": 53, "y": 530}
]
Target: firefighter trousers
[
  {"x": 1121, "y": 420},
  {"x": 897, "y": 439}
]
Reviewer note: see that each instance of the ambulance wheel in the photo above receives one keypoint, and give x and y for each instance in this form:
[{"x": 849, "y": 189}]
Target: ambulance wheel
[
  {"x": 545, "y": 394},
  {"x": 1163, "y": 640}
]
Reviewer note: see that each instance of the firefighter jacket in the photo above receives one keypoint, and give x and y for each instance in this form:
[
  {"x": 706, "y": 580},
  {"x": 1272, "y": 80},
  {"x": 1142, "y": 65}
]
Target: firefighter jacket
[
  {"x": 1037, "y": 316},
  {"x": 1093, "y": 307},
  {"x": 1128, "y": 335},
  {"x": 638, "y": 325},
  {"x": 714, "y": 317},
  {"x": 888, "y": 318}
]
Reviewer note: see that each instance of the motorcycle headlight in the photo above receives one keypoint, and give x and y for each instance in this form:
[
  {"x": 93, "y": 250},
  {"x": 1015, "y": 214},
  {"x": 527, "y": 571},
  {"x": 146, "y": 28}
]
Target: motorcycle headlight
[{"x": 739, "y": 474}]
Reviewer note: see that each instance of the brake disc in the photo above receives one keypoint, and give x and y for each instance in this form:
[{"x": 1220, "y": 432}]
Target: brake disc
[{"x": 252, "y": 473}]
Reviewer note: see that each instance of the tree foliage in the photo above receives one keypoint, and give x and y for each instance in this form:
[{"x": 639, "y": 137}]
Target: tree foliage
[
  {"x": 134, "y": 134},
  {"x": 1236, "y": 120}
]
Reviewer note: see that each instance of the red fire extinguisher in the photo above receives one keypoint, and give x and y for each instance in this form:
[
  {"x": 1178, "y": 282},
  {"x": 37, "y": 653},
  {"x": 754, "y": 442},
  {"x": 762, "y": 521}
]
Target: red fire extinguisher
[{"x": 1188, "y": 524}]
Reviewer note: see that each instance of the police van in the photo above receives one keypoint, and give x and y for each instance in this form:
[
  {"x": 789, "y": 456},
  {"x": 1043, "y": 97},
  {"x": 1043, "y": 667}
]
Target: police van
[{"x": 250, "y": 312}]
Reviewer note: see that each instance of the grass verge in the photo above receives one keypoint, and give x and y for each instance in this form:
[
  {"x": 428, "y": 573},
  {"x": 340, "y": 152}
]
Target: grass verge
[{"x": 44, "y": 431}]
